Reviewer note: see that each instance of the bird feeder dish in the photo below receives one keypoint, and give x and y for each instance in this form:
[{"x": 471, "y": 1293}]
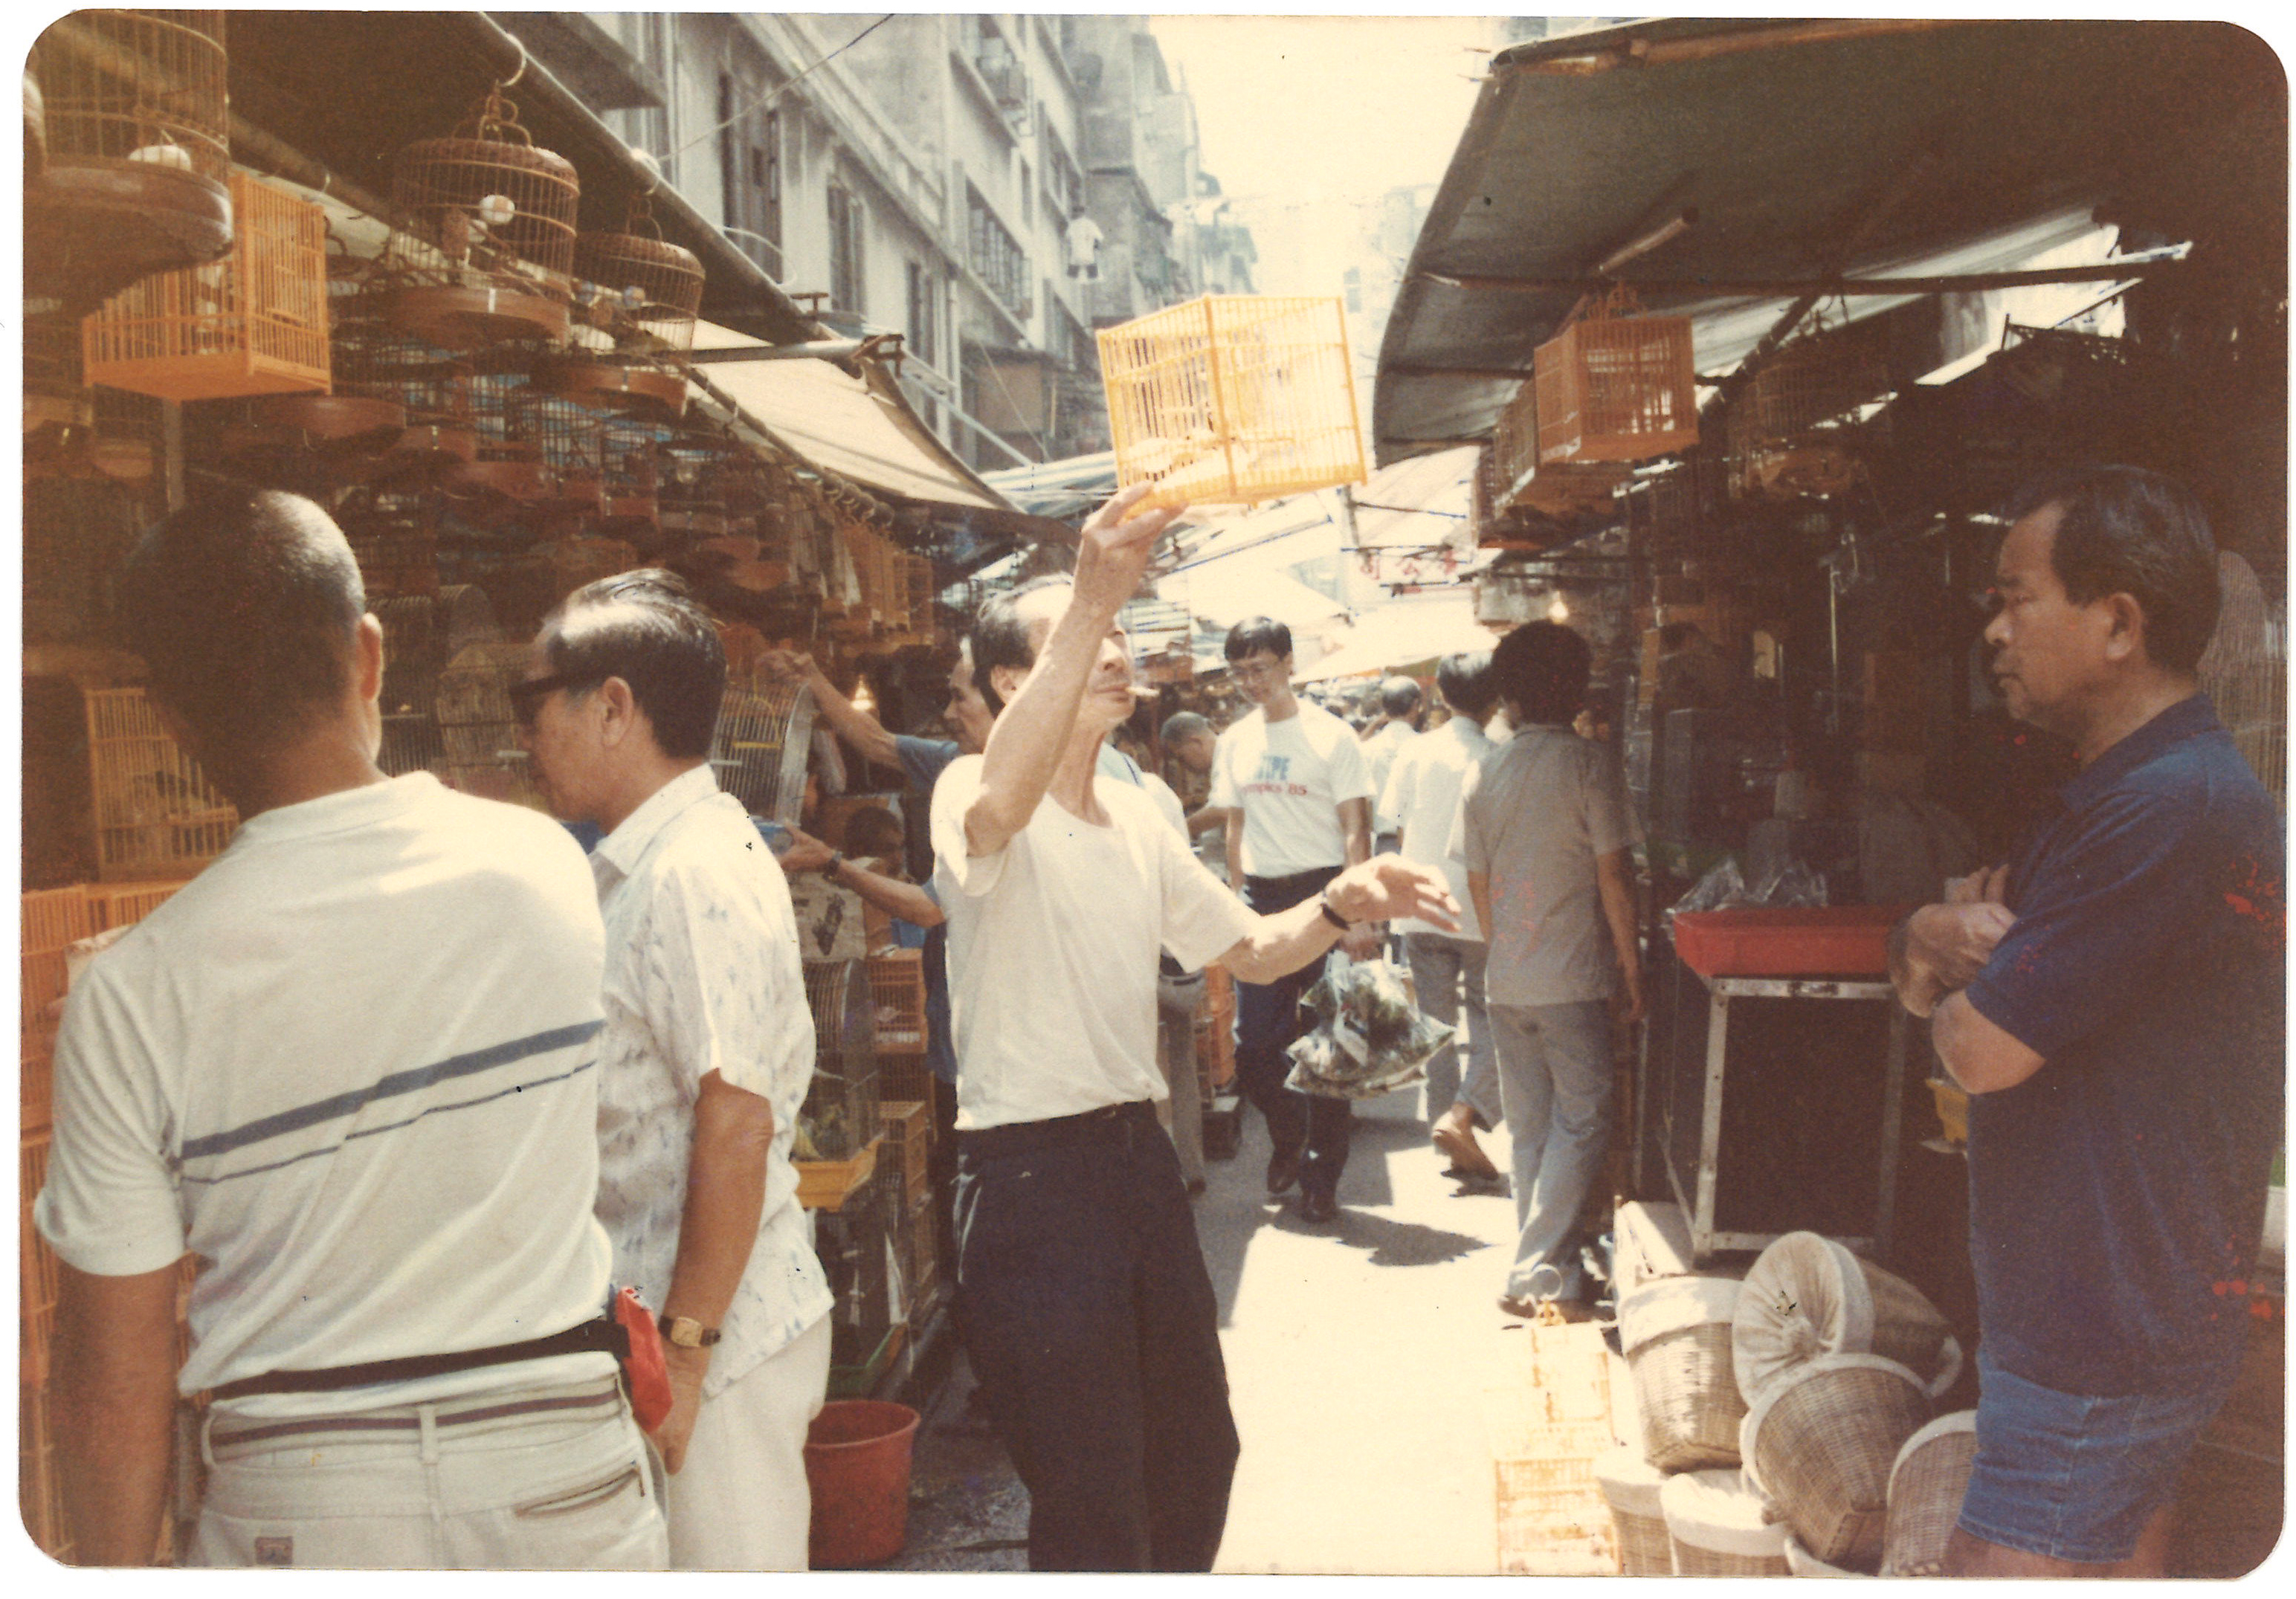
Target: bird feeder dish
[
  {"x": 1613, "y": 386},
  {"x": 252, "y": 322},
  {"x": 1232, "y": 398},
  {"x": 485, "y": 197}
]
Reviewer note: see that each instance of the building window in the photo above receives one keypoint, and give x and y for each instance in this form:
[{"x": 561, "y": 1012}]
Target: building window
[
  {"x": 1028, "y": 197},
  {"x": 845, "y": 263},
  {"x": 646, "y": 36},
  {"x": 993, "y": 253},
  {"x": 1063, "y": 183},
  {"x": 749, "y": 167},
  {"x": 924, "y": 297}
]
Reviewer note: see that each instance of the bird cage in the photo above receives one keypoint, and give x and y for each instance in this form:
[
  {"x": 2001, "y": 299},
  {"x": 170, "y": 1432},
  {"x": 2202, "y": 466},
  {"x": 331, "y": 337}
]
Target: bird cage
[
  {"x": 146, "y": 87},
  {"x": 484, "y": 248},
  {"x": 477, "y": 726},
  {"x": 254, "y": 322},
  {"x": 375, "y": 358},
  {"x": 759, "y": 747},
  {"x": 1676, "y": 516},
  {"x": 420, "y": 634},
  {"x": 629, "y": 454},
  {"x": 1814, "y": 385},
  {"x": 394, "y": 537},
  {"x": 839, "y": 1116},
  {"x": 156, "y": 816},
  {"x": 1515, "y": 445},
  {"x": 652, "y": 289},
  {"x": 53, "y": 920},
  {"x": 1232, "y": 398},
  {"x": 2244, "y": 672},
  {"x": 698, "y": 468},
  {"x": 1615, "y": 386}
]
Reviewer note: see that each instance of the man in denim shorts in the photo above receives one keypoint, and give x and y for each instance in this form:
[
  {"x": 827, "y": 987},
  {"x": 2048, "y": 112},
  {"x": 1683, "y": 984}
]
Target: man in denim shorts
[{"x": 2112, "y": 1001}]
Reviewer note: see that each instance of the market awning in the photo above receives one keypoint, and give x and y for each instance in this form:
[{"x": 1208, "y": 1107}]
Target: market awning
[
  {"x": 1404, "y": 633},
  {"x": 1421, "y": 502},
  {"x": 1752, "y": 160}
]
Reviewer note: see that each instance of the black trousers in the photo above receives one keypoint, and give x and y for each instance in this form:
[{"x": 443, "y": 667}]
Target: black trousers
[
  {"x": 1090, "y": 1321},
  {"x": 1268, "y": 1020}
]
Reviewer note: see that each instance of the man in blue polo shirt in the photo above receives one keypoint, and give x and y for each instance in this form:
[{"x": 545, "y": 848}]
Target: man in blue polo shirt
[{"x": 2112, "y": 1001}]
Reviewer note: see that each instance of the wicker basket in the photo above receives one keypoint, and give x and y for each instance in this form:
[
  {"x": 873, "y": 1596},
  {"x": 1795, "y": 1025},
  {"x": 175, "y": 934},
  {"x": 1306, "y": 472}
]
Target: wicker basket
[
  {"x": 1631, "y": 1486},
  {"x": 1715, "y": 1527},
  {"x": 1809, "y": 1296},
  {"x": 1802, "y": 1562},
  {"x": 1676, "y": 1333},
  {"x": 1926, "y": 1487},
  {"x": 1819, "y": 1442}
]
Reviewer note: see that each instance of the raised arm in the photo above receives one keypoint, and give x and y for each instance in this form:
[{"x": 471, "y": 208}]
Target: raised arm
[
  {"x": 1026, "y": 744},
  {"x": 890, "y": 895},
  {"x": 848, "y": 721}
]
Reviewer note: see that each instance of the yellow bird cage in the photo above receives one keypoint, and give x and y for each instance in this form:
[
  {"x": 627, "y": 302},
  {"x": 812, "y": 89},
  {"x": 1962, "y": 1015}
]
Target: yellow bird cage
[
  {"x": 155, "y": 815},
  {"x": 1614, "y": 386},
  {"x": 1232, "y": 398},
  {"x": 253, "y": 323}
]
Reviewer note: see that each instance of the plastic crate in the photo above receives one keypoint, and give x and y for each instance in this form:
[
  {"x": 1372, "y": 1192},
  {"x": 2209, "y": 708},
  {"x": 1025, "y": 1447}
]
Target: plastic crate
[
  {"x": 839, "y": 1115},
  {"x": 156, "y": 816},
  {"x": 1843, "y": 940},
  {"x": 1232, "y": 398},
  {"x": 1613, "y": 386},
  {"x": 897, "y": 983}
]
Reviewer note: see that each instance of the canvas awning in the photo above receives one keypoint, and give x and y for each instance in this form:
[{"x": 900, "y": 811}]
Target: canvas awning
[{"x": 1404, "y": 633}]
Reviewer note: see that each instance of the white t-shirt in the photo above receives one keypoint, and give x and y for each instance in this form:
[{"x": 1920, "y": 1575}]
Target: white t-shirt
[
  {"x": 1421, "y": 801},
  {"x": 1051, "y": 950},
  {"x": 1380, "y": 750},
  {"x": 351, "y": 1066},
  {"x": 1290, "y": 780},
  {"x": 703, "y": 975}
]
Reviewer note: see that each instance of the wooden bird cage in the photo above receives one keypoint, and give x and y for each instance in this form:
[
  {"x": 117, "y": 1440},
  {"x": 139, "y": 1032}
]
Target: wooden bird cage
[
  {"x": 156, "y": 816},
  {"x": 477, "y": 726},
  {"x": 253, "y": 323},
  {"x": 698, "y": 469},
  {"x": 1615, "y": 386},
  {"x": 1677, "y": 516},
  {"x": 145, "y": 87},
  {"x": 1515, "y": 445},
  {"x": 1232, "y": 398},
  {"x": 394, "y": 537},
  {"x": 649, "y": 289},
  {"x": 485, "y": 248},
  {"x": 376, "y": 358},
  {"x": 1816, "y": 385},
  {"x": 760, "y": 749}
]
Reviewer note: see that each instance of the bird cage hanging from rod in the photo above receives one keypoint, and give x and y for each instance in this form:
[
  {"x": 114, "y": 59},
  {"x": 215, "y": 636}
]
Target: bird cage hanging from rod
[
  {"x": 698, "y": 467},
  {"x": 566, "y": 437},
  {"x": 638, "y": 297},
  {"x": 1819, "y": 384},
  {"x": 483, "y": 247},
  {"x": 1615, "y": 386},
  {"x": 479, "y": 727},
  {"x": 760, "y": 751},
  {"x": 375, "y": 358},
  {"x": 142, "y": 86},
  {"x": 253, "y": 323},
  {"x": 1232, "y": 398}
]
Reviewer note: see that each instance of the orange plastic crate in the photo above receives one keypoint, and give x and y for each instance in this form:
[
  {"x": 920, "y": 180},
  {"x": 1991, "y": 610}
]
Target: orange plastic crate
[
  {"x": 252, "y": 322},
  {"x": 1616, "y": 387},
  {"x": 1232, "y": 398}
]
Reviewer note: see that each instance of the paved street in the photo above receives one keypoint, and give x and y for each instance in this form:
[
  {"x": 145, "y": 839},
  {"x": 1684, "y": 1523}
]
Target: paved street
[{"x": 1357, "y": 1354}]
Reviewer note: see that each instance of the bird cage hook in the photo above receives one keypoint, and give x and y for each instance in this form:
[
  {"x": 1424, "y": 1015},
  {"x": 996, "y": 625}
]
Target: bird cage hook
[
  {"x": 639, "y": 220},
  {"x": 495, "y": 120},
  {"x": 523, "y": 57}
]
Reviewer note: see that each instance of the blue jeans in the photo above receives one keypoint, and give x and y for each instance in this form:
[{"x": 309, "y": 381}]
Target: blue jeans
[
  {"x": 1556, "y": 1087},
  {"x": 2071, "y": 1477},
  {"x": 1448, "y": 972},
  {"x": 1267, "y": 1021},
  {"x": 1091, "y": 1323}
]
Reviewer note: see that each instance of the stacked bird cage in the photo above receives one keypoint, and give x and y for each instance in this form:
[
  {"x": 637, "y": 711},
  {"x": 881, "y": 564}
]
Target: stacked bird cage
[
  {"x": 566, "y": 437},
  {"x": 629, "y": 454},
  {"x": 1232, "y": 398},
  {"x": 759, "y": 750},
  {"x": 253, "y": 323},
  {"x": 486, "y": 249},
  {"x": 699, "y": 468},
  {"x": 1819, "y": 1443},
  {"x": 1523, "y": 479},
  {"x": 155, "y": 815},
  {"x": 1615, "y": 386},
  {"x": 839, "y": 1120},
  {"x": 896, "y": 982},
  {"x": 394, "y": 537},
  {"x": 37, "y": 1479},
  {"x": 375, "y": 358},
  {"x": 1677, "y": 518}
]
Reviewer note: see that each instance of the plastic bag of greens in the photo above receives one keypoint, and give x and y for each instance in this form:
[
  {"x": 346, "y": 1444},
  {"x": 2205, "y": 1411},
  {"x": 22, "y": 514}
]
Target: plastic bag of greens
[{"x": 1369, "y": 1038}]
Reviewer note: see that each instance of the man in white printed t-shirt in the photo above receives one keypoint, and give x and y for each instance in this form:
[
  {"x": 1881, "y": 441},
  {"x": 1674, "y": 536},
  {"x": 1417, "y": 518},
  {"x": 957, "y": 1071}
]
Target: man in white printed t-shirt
[
  {"x": 1297, "y": 793},
  {"x": 1089, "y": 1315},
  {"x": 352, "y": 1067}
]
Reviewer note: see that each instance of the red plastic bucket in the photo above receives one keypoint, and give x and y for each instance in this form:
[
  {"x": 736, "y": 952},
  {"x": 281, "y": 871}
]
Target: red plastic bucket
[{"x": 857, "y": 1462}]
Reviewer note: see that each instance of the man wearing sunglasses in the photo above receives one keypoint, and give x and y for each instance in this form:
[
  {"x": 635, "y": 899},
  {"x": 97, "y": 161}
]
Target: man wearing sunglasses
[{"x": 708, "y": 1050}]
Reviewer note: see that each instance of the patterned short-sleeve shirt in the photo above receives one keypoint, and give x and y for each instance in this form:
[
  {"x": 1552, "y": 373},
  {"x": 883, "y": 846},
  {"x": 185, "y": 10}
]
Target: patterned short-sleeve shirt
[{"x": 702, "y": 974}]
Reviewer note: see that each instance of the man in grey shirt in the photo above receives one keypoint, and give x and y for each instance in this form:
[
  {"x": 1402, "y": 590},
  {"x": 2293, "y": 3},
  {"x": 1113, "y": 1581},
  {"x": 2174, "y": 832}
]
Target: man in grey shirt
[{"x": 1543, "y": 831}]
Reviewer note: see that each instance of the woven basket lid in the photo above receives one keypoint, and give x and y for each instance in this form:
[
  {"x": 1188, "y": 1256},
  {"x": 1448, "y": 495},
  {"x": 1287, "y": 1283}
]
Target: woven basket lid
[
  {"x": 1954, "y": 1421},
  {"x": 1757, "y": 1412},
  {"x": 1715, "y": 1509},
  {"x": 1802, "y": 1562},
  {"x": 1630, "y": 1483},
  {"x": 1672, "y": 1305},
  {"x": 1805, "y": 1297}
]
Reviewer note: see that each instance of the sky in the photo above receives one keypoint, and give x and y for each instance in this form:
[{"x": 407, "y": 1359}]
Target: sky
[{"x": 1327, "y": 106}]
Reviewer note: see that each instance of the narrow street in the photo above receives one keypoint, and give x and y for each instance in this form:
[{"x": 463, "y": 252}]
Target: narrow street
[{"x": 1358, "y": 1353}]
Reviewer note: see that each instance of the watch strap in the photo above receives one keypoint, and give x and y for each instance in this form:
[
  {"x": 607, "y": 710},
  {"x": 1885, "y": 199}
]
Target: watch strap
[
  {"x": 1323, "y": 905},
  {"x": 702, "y": 1337}
]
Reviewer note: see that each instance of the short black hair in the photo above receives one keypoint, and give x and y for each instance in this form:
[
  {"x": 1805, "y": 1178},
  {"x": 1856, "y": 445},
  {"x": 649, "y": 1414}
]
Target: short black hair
[
  {"x": 1541, "y": 668},
  {"x": 1000, "y": 638},
  {"x": 1399, "y": 696},
  {"x": 1254, "y": 634},
  {"x": 245, "y": 608},
  {"x": 645, "y": 627},
  {"x": 1464, "y": 681},
  {"x": 2123, "y": 530}
]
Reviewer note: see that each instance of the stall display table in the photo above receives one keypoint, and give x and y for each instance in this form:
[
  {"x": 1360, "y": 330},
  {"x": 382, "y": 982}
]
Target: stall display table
[{"x": 1831, "y": 953}]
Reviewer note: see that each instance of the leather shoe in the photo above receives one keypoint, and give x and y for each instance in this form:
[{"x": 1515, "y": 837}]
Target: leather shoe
[
  {"x": 1283, "y": 1169},
  {"x": 1458, "y": 1145},
  {"x": 1547, "y": 1311},
  {"x": 1318, "y": 1207}
]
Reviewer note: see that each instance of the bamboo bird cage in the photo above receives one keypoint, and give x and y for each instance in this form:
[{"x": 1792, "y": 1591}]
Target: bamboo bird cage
[{"x": 1615, "y": 386}]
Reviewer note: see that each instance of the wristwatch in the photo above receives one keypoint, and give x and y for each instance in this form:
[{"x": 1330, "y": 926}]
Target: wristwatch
[
  {"x": 829, "y": 871},
  {"x": 1324, "y": 904},
  {"x": 687, "y": 1334}
]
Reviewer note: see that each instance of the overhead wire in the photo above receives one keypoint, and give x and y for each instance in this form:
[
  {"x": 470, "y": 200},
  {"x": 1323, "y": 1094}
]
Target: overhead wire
[{"x": 767, "y": 101}]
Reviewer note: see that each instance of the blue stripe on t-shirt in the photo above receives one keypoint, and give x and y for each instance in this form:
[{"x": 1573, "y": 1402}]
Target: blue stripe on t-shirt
[{"x": 337, "y": 1106}]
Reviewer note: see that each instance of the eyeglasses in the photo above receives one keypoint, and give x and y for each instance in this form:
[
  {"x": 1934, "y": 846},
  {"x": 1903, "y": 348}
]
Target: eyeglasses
[{"x": 526, "y": 694}]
